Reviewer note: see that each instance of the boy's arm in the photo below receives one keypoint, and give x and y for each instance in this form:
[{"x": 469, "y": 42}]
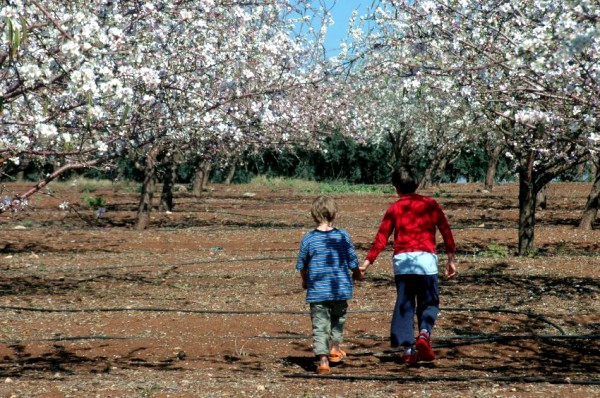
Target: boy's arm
[
  {"x": 449, "y": 244},
  {"x": 381, "y": 238},
  {"x": 304, "y": 279},
  {"x": 302, "y": 262},
  {"x": 444, "y": 226}
]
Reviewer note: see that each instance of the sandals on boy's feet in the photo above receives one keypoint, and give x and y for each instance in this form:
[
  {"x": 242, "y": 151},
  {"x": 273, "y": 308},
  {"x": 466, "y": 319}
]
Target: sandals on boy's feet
[
  {"x": 336, "y": 356},
  {"x": 323, "y": 369}
]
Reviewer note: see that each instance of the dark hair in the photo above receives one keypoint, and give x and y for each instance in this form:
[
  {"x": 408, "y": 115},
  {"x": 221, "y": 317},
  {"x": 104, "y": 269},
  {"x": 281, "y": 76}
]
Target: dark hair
[{"x": 404, "y": 179}]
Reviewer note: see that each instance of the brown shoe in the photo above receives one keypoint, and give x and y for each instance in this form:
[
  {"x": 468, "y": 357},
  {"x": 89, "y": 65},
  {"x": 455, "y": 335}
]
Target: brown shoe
[
  {"x": 323, "y": 369},
  {"x": 336, "y": 356}
]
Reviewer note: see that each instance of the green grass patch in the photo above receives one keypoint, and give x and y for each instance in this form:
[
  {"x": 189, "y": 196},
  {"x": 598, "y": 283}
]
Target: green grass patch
[
  {"x": 337, "y": 187},
  {"x": 80, "y": 184},
  {"x": 495, "y": 251},
  {"x": 295, "y": 184},
  {"x": 316, "y": 188}
]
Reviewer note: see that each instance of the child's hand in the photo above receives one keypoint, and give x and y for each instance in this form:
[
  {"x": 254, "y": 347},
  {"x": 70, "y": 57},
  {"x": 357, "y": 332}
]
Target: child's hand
[
  {"x": 450, "y": 268},
  {"x": 304, "y": 285},
  {"x": 357, "y": 275},
  {"x": 363, "y": 267}
]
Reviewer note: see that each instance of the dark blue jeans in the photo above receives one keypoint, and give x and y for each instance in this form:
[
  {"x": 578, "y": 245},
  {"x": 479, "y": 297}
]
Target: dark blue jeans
[{"x": 415, "y": 294}]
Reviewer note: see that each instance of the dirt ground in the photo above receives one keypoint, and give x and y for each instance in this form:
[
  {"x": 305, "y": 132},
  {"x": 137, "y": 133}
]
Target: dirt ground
[{"x": 206, "y": 303}]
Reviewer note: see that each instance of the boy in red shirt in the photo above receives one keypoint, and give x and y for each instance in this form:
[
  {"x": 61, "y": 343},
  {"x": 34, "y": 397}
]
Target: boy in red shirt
[{"x": 414, "y": 219}]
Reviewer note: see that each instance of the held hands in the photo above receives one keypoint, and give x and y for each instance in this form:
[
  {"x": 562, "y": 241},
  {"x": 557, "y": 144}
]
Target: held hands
[
  {"x": 358, "y": 274},
  {"x": 363, "y": 268}
]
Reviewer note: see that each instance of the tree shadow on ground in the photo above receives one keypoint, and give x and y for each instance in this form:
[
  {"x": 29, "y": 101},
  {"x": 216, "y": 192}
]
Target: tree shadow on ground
[
  {"x": 60, "y": 361},
  {"x": 526, "y": 287},
  {"x": 35, "y": 285},
  {"x": 522, "y": 355},
  {"x": 493, "y": 358}
]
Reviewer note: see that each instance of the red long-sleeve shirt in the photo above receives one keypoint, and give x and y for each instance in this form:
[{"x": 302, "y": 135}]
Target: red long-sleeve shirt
[{"x": 413, "y": 219}]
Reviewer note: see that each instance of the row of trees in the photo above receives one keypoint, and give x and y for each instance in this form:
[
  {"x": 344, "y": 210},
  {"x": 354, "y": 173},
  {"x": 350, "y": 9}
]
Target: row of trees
[
  {"x": 88, "y": 83},
  {"x": 340, "y": 159},
  {"x": 521, "y": 79}
]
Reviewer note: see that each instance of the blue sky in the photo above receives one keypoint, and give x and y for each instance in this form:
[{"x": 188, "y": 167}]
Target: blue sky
[{"x": 341, "y": 13}]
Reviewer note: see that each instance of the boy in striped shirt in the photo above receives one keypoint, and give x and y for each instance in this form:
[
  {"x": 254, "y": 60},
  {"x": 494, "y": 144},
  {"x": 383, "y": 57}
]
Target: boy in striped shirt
[{"x": 325, "y": 259}]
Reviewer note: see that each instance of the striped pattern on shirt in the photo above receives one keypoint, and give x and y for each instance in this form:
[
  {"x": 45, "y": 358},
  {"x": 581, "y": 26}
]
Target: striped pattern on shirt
[{"x": 328, "y": 256}]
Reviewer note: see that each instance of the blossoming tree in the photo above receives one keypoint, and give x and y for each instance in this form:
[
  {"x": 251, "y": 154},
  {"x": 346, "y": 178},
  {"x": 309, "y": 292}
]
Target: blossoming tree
[
  {"x": 86, "y": 82},
  {"x": 531, "y": 67}
]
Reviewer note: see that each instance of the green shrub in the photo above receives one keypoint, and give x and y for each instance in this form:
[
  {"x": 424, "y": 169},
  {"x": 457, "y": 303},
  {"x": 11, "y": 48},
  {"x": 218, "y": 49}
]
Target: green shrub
[
  {"x": 94, "y": 201},
  {"x": 495, "y": 251}
]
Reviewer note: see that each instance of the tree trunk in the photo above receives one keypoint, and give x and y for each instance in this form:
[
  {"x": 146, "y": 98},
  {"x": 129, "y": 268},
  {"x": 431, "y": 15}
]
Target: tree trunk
[
  {"x": 540, "y": 198},
  {"x": 580, "y": 171},
  {"x": 591, "y": 207},
  {"x": 398, "y": 141},
  {"x": 426, "y": 181},
  {"x": 145, "y": 205},
  {"x": 166, "y": 197},
  {"x": 527, "y": 196},
  {"x": 436, "y": 173},
  {"x": 206, "y": 176},
  {"x": 231, "y": 172},
  {"x": 197, "y": 183},
  {"x": 201, "y": 177},
  {"x": 490, "y": 176}
]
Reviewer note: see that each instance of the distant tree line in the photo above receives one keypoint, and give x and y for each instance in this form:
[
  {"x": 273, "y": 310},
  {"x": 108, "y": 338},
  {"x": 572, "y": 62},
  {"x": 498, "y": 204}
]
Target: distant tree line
[{"x": 340, "y": 159}]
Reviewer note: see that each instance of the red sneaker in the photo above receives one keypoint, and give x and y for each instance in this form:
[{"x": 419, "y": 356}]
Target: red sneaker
[
  {"x": 409, "y": 359},
  {"x": 424, "y": 350}
]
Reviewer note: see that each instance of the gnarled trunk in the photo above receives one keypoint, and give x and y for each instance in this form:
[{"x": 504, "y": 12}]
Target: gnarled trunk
[
  {"x": 541, "y": 198},
  {"x": 490, "y": 176},
  {"x": 145, "y": 204},
  {"x": 591, "y": 207},
  {"x": 426, "y": 180},
  {"x": 527, "y": 195},
  {"x": 201, "y": 177},
  {"x": 231, "y": 172},
  {"x": 166, "y": 197}
]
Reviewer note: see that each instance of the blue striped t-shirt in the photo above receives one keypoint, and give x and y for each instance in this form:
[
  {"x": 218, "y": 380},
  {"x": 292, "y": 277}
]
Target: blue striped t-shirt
[{"x": 328, "y": 256}]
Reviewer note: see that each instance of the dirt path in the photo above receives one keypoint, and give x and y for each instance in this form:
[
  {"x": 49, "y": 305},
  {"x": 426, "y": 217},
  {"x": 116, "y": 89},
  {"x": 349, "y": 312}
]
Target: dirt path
[{"x": 206, "y": 302}]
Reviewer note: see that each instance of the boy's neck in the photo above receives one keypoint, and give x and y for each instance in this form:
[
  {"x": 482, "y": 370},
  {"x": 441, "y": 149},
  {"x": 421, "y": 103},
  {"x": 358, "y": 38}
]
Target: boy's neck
[{"x": 325, "y": 226}]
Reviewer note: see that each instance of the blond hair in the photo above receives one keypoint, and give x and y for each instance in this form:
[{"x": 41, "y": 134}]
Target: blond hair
[{"x": 324, "y": 208}]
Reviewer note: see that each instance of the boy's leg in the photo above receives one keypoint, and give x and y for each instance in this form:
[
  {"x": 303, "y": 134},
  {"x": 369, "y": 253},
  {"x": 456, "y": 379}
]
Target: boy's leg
[
  {"x": 402, "y": 328},
  {"x": 338, "y": 319},
  {"x": 427, "y": 311},
  {"x": 428, "y": 302},
  {"x": 320, "y": 314}
]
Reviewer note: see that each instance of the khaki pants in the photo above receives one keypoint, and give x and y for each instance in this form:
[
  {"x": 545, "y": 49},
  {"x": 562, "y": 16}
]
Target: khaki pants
[{"x": 328, "y": 319}]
